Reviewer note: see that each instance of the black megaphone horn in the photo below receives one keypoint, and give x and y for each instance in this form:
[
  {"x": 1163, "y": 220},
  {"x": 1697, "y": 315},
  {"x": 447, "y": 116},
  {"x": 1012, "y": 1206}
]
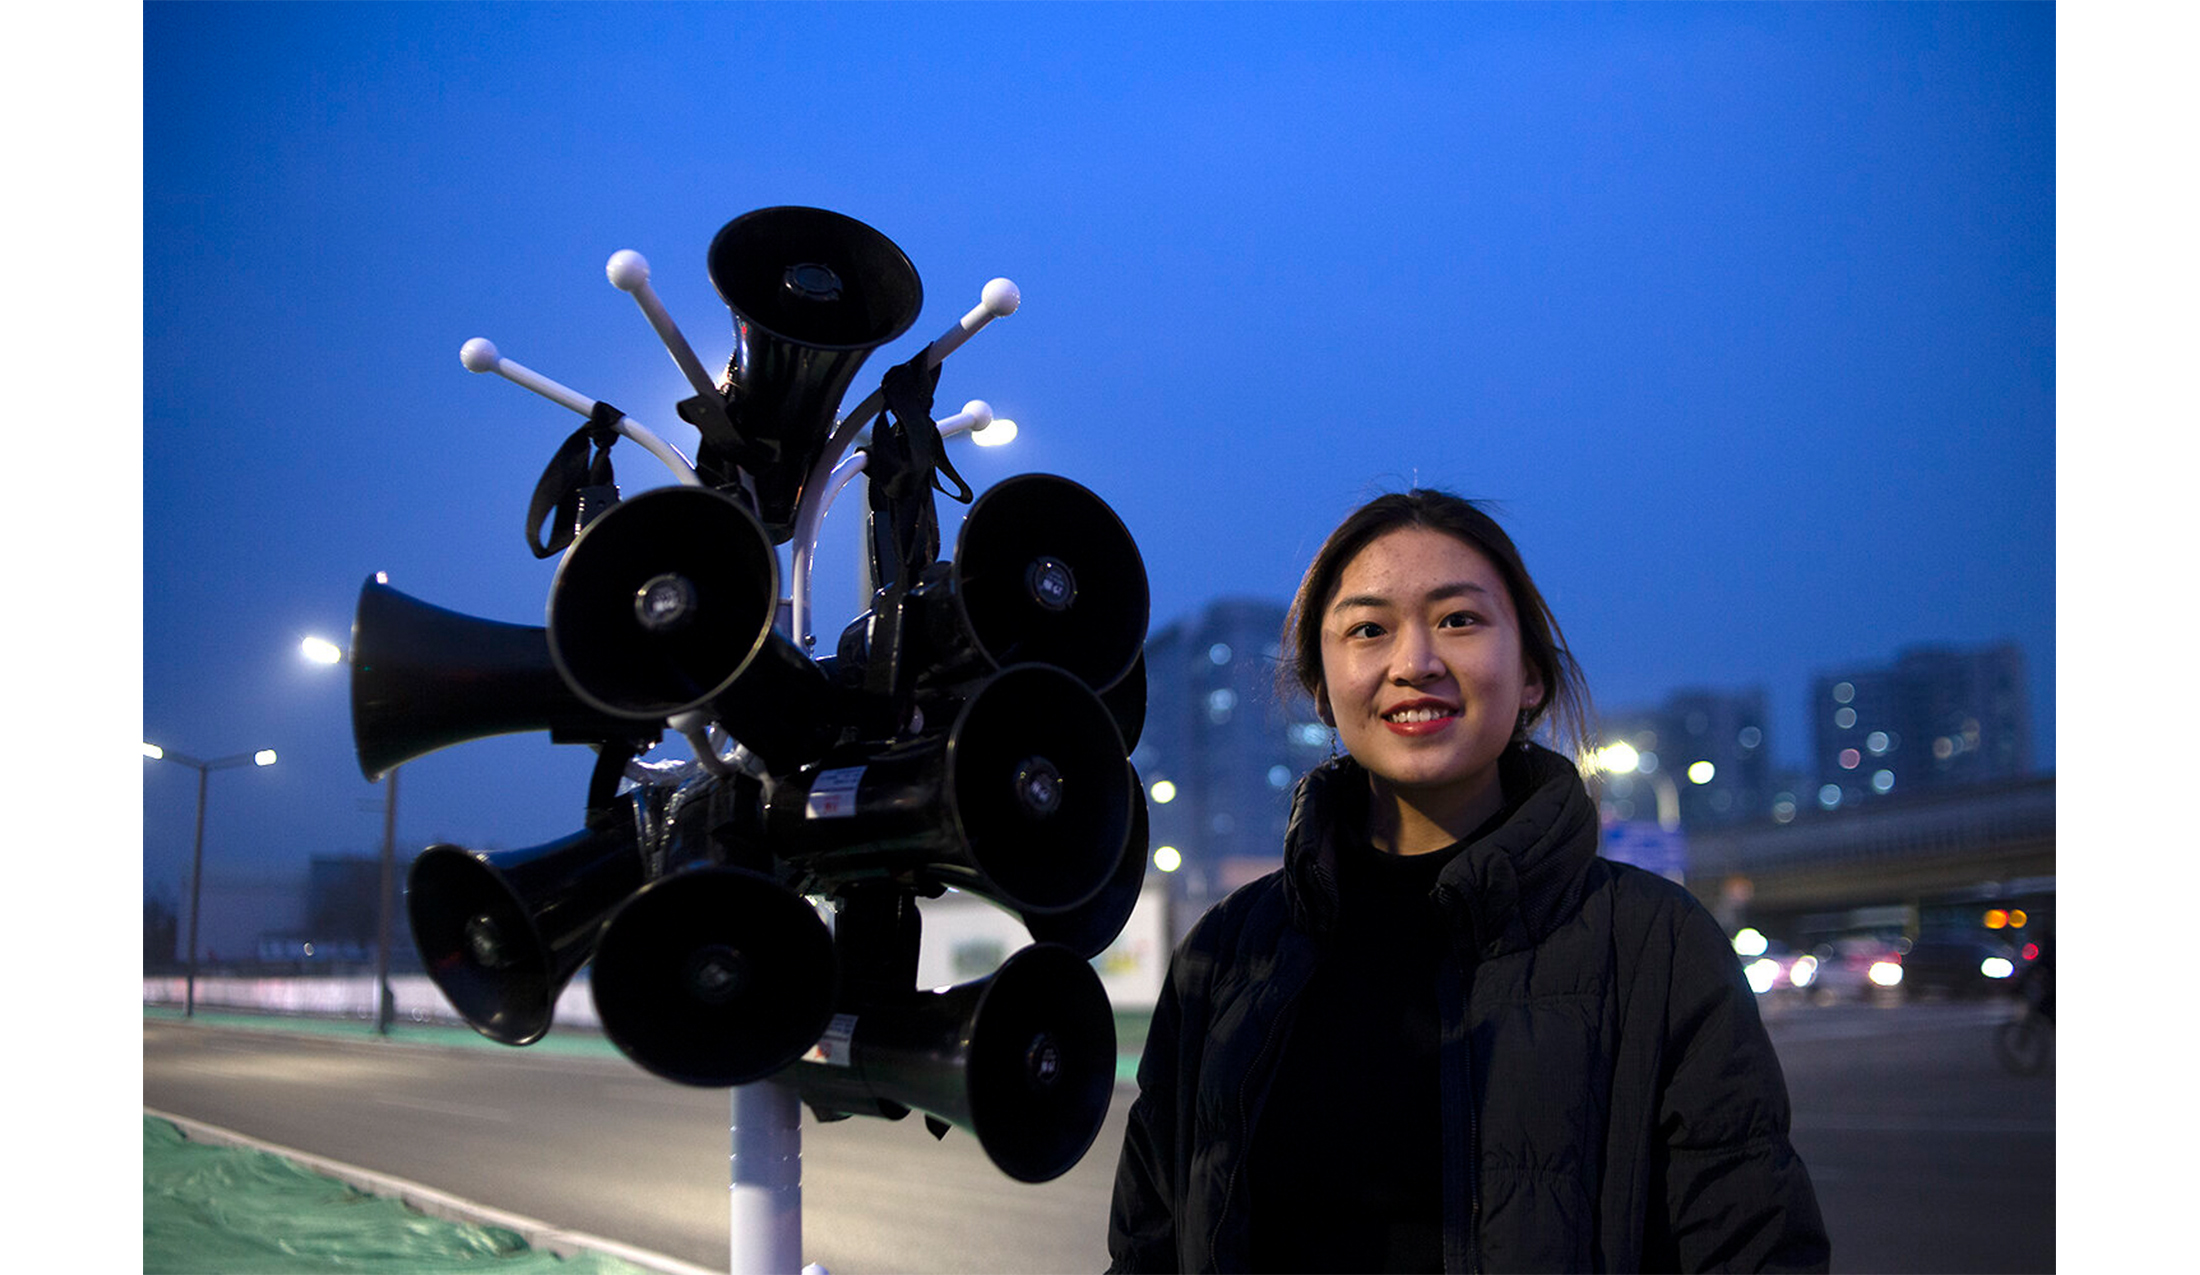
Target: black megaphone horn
[
  {"x": 666, "y": 604},
  {"x": 715, "y": 976},
  {"x": 1023, "y": 1058},
  {"x": 424, "y": 678},
  {"x": 812, "y": 293},
  {"x": 1044, "y": 572},
  {"x": 502, "y": 933},
  {"x": 1088, "y": 928},
  {"x": 1025, "y": 797}
]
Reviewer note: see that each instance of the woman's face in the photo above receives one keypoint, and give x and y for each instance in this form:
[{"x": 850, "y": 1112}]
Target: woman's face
[{"x": 1422, "y": 673}]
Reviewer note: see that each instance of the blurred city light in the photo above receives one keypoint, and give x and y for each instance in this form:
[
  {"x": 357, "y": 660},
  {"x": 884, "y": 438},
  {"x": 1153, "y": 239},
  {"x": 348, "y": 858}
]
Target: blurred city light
[
  {"x": 1618, "y": 758},
  {"x": 994, "y": 435},
  {"x": 1996, "y": 967},
  {"x": 321, "y": 651},
  {"x": 1700, "y": 772},
  {"x": 1748, "y": 942},
  {"x": 1886, "y": 973},
  {"x": 1167, "y": 859},
  {"x": 264, "y": 757},
  {"x": 153, "y": 751},
  {"x": 1163, "y": 792}
]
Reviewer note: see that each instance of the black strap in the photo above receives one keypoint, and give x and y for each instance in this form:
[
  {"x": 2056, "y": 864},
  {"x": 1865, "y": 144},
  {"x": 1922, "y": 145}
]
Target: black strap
[
  {"x": 904, "y": 465},
  {"x": 576, "y": 485}
]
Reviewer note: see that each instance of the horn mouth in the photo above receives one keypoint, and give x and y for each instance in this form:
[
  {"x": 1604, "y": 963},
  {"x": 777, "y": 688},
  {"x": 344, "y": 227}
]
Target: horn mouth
[
  {"x": 1047, "y": 574},
  {"x": 484, "y": 950},
  {"x": 1042, "y": 1058},
  {"x": 1041, "y": 788},
  {"x": 663, "y": 602},
  {"x": 815, "y": 278},
  {"x": 715, "y": 977}
]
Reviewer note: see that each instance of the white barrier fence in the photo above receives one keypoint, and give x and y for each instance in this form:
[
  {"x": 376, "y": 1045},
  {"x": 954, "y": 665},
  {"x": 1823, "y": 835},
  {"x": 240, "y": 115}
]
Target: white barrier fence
[{"x": 964, "y": 938}]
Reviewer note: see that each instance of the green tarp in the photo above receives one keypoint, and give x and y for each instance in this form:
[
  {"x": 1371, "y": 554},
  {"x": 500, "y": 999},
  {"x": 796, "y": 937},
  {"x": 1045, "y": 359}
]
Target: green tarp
[{"x": 212, "y": 1210}]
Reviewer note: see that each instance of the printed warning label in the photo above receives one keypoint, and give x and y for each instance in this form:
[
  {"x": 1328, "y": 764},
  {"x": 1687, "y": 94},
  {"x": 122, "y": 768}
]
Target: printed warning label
[
  {"x": 832, "y": 1048},
  {"x": 833, "y": 796}
]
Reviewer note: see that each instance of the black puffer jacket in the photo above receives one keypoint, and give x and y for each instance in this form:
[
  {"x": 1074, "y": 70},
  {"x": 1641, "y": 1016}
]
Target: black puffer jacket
[{"x": 1610, "y": 1099}]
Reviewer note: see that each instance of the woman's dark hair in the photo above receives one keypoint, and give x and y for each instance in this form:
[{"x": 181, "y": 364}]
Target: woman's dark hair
[{"x": 1565, "y": 692}]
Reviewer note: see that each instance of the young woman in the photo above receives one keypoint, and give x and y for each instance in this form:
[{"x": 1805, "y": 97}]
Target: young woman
[{"x": 1446, "y": 1036}]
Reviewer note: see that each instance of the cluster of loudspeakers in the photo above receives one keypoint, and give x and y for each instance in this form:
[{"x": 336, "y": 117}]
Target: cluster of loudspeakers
[{"x": 732, "y": 919}]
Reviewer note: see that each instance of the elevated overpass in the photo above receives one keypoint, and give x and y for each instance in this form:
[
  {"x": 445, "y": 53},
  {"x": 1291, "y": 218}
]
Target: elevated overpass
[{"x": 1894, "y": 853}]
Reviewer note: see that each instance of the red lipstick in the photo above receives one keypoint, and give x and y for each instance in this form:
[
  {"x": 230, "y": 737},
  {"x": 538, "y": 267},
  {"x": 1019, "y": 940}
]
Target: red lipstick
[{"x": 1446, "y": 714}]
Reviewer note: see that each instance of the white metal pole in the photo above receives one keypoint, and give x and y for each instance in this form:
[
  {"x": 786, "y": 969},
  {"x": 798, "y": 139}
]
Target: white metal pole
[{"x": 767, "y": 1180}]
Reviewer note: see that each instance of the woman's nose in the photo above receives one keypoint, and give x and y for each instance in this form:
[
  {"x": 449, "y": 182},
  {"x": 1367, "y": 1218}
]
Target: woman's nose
[{"x": 1413, "y": 657}]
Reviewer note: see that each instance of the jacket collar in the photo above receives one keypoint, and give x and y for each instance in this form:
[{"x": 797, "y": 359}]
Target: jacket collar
[{"x": 1509, "y": 889}]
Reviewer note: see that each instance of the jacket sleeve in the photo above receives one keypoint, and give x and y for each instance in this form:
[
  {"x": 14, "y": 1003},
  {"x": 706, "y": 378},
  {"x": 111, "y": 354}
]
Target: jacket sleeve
[
  {"x": 1736, "y": 1196},
  {"x": 1142, "y": 1217}
]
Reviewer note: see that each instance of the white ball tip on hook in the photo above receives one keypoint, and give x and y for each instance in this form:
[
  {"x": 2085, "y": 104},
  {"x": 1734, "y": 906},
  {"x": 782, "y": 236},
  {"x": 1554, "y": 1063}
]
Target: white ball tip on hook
[
  {"x": 1000, "y": 297},
  {"x": 479, "y": 355},
  {"x": 980, "y": 413},
  {"x": 627, "y": 270}
]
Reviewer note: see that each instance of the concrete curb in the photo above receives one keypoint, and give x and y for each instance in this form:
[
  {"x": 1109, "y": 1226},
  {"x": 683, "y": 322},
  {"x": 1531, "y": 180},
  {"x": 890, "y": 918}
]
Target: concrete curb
[{"x": 538, "y": 1234}]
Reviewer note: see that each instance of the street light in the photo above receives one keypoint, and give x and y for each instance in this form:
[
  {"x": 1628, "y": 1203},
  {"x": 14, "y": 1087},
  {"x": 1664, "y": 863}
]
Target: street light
[
  {"x": 1620, "y": 758},
  {"x": 322, "y": 651},
  {"x": 154, "y": 752}
]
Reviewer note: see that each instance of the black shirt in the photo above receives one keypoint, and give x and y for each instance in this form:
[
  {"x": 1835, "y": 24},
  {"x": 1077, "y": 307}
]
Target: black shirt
[{"x": 1345, "y": 1167}]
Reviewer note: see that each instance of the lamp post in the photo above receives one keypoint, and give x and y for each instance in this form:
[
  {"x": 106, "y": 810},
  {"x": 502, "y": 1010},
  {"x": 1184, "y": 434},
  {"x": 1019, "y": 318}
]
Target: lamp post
[
  {"x": 1622, "y": 759},
  {"x": 322, "y": 651},
  {"x": 264, "y": 757}
]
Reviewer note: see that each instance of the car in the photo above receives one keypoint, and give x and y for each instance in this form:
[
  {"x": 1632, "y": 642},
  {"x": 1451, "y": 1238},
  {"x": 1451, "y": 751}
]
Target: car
[
  {"x": 1770, "y": 969},
  {"x": 1858, "y": 967},
  {"x": 1958, "y": 965}
]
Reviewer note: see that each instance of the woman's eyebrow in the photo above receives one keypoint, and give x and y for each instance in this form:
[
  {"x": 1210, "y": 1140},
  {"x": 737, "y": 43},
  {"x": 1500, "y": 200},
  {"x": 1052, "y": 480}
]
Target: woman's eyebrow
[{"x": 1441, "y": 593}]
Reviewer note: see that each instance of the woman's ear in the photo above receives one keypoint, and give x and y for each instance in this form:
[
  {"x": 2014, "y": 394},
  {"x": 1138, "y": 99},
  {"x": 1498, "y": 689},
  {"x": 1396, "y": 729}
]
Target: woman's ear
[{"x": 1321, "y": 707}]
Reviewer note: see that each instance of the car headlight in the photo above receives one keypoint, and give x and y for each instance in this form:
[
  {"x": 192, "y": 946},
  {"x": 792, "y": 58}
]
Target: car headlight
[
  {"x": 1762, "y": 973},
  {"x": 1886, "y": 973},
  {"x": 1804, "y": 971},
  {"x": 1996, "y": 967}
]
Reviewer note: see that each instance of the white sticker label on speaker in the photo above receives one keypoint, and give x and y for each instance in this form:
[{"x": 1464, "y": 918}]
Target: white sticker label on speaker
[
  {"x": 832, "y": 1048},
  {"x": 833, "y": 796}
]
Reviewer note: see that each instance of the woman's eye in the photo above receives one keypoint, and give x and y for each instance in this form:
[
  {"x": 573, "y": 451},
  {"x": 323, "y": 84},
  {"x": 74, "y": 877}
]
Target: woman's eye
[
  {"x": 1365, "y": 628},
  {"x": 1458, "y": 620}
]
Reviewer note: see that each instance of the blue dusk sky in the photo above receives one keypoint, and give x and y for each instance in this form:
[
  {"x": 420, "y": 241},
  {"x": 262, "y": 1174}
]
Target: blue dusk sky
[{"x": 1746, "y": 316}]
